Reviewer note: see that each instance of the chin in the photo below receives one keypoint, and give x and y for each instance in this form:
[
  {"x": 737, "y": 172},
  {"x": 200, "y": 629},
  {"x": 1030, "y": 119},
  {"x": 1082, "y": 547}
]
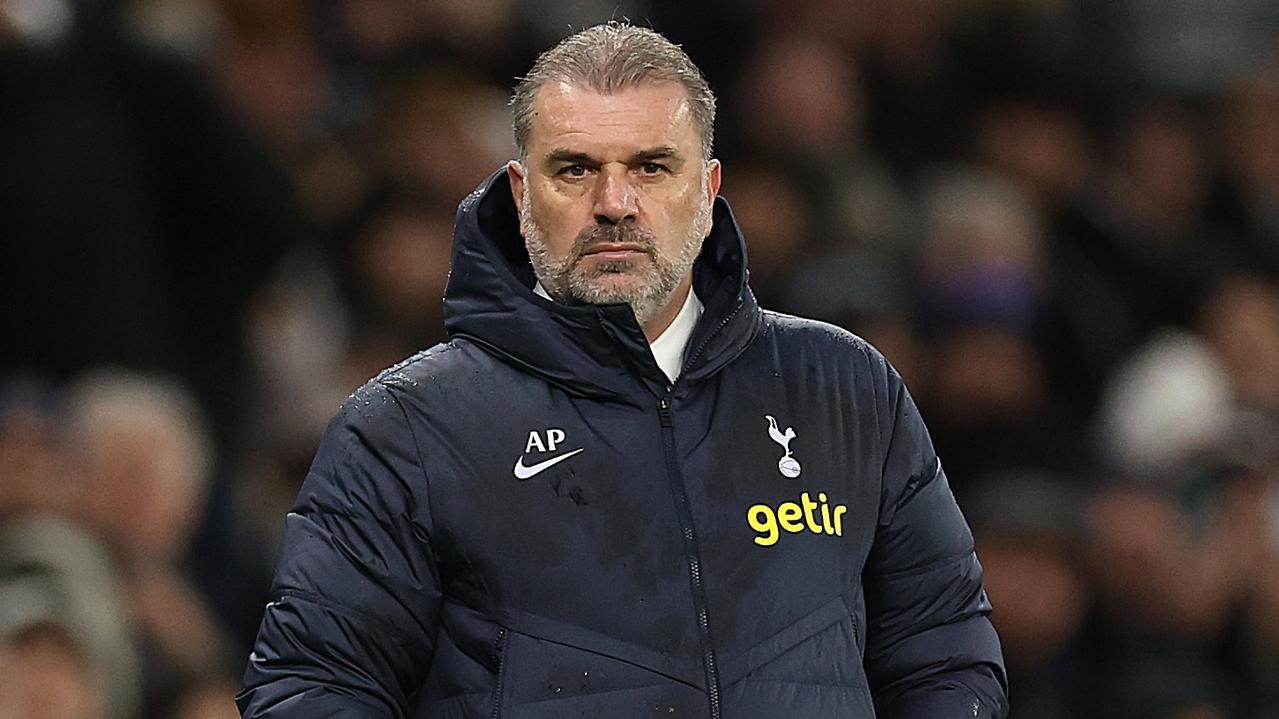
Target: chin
[{"x": 613, "y": 287}]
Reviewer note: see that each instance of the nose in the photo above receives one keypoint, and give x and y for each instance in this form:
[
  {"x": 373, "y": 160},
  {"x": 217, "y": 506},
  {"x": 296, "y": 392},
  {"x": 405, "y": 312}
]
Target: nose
[{"x": 615, "y": 199}]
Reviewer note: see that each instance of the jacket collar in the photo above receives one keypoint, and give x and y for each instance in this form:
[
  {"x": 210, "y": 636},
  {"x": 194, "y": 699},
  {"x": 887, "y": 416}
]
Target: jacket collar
[{"x": 589, "y": 350}]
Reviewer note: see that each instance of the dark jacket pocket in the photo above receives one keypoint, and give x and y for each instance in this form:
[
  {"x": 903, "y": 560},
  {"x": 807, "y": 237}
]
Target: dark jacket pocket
[
  {"x": 549, "y": 670},
  {"x": 813, "y": 669}
]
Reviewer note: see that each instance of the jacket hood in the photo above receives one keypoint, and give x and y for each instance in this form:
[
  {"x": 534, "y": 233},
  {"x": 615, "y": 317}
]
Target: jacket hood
[{"x": 589, "y": 350}]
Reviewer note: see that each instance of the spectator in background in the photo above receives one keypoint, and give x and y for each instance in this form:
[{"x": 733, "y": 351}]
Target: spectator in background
[
  {"x": 63, "y": 629},
  {"x": 315, "y": 335},
  {"x": 1249, "y": 137},
  {"x": 1042, "y": 144},
  {"x": 435, "y": 126},
  {"x": 1262, "y": 622},
  {"x": 1030, "y": 533},
  {"x": 268, "y": 68},
  {"x": 1240, "y": 321},
  {"x": 137, "y": 218},
  {"x": 1178, "y": 534},
  {"x": 205, "y": 699},
  {"x": 1166, "y": 403},
  {"x": 916, "y": 99},
  {"x": 145, "y": 454},
  {"x": 35, "y": 476},
  {"x": 781, "y": 110},
  {"x": 394, "y": 268},
  {"x": 983, "y": 293},
  {"x": 850, "y": 195},
  {"x": 1138, "y": 250},
  {"x": 46, "y": 675},
  {"x": 811, "y": 191},
  {"x": 779, "y": 214}
]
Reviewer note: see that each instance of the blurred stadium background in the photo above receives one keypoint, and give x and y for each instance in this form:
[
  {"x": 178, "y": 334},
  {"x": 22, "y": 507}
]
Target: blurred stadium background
[{"x": 1058, "y": 218}]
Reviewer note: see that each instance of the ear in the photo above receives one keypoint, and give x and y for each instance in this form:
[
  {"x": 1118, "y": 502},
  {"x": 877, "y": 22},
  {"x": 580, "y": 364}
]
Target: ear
[
  {"x": 515, "y": 172},
  {"x": 713, "y": 177}
]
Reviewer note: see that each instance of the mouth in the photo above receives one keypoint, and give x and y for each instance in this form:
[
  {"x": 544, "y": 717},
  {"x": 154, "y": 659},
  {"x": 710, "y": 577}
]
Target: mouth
[{"x": 614, "y": 250}]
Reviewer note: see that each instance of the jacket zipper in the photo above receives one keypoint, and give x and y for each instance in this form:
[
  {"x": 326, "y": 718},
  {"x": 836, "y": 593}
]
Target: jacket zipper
[
  {"x": 499, "y": 652},
  {"x": 722, "y": 324},
  {"x": 693, "y": 555}
]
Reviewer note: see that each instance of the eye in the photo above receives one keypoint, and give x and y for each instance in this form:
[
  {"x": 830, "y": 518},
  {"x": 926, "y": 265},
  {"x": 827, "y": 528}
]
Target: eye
[
  {"x": 573, "y": 171},
  {"x": 652, "y": 168}
]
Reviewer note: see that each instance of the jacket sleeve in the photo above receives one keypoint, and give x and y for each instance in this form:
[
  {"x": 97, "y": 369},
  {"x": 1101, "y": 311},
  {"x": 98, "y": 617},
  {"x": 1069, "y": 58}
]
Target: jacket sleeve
[
  {"x": 931, "y": 651},
  {"x": 351, "y": 627}
]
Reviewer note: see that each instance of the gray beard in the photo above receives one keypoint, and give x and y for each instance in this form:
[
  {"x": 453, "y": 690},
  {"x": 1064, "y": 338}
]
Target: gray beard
[{"x": 565, "y": 277}]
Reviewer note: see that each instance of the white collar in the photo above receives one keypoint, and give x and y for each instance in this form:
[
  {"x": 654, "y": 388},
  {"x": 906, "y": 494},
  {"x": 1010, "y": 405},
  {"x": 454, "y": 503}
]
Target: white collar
[{"x": 668, "y": 348}]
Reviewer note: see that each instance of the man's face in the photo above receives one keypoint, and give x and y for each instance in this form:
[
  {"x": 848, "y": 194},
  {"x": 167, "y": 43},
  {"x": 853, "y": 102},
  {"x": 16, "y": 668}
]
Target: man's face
[{"x": 615, "y": 197}]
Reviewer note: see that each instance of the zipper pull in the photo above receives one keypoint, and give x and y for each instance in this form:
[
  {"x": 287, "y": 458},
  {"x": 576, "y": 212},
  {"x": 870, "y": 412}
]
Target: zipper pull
[{"x": 664, "y": 411}]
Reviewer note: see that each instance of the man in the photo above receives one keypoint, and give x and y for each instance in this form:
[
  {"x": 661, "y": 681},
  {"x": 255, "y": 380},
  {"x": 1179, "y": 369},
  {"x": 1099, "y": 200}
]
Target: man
[{"x": 622, "y": 489}]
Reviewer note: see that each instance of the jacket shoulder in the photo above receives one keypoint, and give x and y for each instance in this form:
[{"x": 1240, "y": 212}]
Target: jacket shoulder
[
  {"x": 441, "y": 365},
  {"x": 792, "y": 331},
  {"x": 379, "y": 407}
]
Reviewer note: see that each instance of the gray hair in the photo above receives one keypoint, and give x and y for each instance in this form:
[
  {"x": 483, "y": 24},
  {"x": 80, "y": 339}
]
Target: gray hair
[
  {"x": 611, "y": 57},
  {"x": 114, "y": 399}
]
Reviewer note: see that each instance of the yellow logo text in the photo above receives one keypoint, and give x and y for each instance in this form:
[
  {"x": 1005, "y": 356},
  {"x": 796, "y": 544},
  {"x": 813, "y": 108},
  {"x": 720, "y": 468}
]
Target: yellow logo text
[{"x": 796, "y": 518}]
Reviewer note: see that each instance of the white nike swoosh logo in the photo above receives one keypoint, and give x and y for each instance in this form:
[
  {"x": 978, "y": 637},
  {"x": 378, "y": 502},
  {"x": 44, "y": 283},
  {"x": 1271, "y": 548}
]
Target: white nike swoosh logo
[{"x": 522, "y": 472}]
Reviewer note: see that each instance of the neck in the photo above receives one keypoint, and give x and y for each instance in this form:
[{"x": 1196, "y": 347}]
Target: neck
[{"x": 665, "y": 316}]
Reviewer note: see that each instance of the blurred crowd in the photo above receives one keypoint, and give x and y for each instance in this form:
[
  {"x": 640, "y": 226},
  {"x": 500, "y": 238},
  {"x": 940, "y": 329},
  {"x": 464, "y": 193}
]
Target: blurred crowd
[{"x": 1058, "y": 218}]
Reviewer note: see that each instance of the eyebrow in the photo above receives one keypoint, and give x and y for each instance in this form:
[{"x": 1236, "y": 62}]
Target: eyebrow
[
  {"x": 573, "y": 157},
  {"x": 656, "y": 153},
  {"x": 570, "y": 157}
]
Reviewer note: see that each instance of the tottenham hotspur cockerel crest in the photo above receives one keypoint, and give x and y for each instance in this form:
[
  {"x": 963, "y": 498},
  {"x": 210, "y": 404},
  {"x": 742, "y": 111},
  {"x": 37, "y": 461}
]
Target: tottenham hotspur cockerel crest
[{"x": 787, "y": 465}]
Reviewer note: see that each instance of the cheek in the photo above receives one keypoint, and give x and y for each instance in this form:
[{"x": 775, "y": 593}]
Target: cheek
[
  {"x": 559, "y": 216},
  {"x": 671, "y": 213}
]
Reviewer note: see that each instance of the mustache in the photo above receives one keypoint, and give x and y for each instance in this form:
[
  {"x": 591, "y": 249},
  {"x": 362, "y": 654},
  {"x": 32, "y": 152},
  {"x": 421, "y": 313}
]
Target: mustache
[{"x": 622, "y": 233}]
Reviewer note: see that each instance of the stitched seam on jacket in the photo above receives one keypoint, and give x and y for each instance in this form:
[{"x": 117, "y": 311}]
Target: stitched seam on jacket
[
  {"x": 893, "y": 403},
  {"x": 590, "y": 694},
  {"x": 972, "y": 694},
  {"x": 931, "y": 566},
  {"x": 396, "y": 633},
  {"x": 606, "y": 655},
  {"x": 788, "y": 682},
  {"x": 914, "y": 487},
  {"x": 417, "y": 450},
  {"x": 787, "y": 647},
  {"x": 361, "y": 699}
]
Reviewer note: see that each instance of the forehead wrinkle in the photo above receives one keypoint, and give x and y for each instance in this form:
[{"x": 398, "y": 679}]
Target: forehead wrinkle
[
  {"x": 657, "y": 152},
  {"x": 561, "y": 110}
]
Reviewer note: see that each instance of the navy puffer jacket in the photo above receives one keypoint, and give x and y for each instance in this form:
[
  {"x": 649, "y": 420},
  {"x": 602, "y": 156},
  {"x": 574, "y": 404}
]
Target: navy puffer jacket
[{"x": 529, "y": 522}]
